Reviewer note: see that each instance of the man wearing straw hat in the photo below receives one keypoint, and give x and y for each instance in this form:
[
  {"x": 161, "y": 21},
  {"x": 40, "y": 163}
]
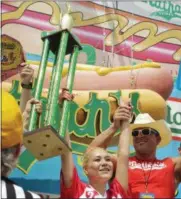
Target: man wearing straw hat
[
  {"x": 148, "y": 176},
  {"x": 11, "y": 141}
]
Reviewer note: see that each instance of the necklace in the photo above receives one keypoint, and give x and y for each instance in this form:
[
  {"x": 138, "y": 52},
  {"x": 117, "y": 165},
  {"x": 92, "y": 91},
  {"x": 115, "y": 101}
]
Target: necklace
[{"x": 146, "y": 177}]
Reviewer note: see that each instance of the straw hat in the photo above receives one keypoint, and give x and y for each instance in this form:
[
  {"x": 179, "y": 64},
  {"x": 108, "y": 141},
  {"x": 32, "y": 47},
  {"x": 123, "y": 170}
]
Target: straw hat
[{"x": 145, "y": 120}]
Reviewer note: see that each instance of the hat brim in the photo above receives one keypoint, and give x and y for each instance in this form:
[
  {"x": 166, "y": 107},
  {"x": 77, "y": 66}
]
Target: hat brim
[{"x": 161, "y": 127}]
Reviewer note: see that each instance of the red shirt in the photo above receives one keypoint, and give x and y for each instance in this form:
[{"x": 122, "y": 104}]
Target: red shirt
[
  {"x": 161, "y": 180},
  {"x": 78, "y": 189}
]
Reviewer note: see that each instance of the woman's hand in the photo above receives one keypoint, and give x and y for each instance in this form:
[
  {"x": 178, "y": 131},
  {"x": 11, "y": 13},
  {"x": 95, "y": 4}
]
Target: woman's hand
[
  {"x": 122, "y": 114},
  {"x": 26, "y": 113},
  {"x": 65, "y": 95},
  {"x": 26, "y": 74}
]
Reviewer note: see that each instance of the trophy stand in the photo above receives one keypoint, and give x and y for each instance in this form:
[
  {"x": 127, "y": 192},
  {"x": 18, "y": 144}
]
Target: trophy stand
[{"x": 48, "y": 141}]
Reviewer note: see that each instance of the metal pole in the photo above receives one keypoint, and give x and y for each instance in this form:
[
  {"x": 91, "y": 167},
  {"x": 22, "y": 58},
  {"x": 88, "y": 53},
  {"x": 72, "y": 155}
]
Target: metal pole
[
  {"x": 40, "y": 81},
  {"x": 53, "y": 102},
  {"x": 70, "y": 82},
  {"x": 50, "y": 90}
]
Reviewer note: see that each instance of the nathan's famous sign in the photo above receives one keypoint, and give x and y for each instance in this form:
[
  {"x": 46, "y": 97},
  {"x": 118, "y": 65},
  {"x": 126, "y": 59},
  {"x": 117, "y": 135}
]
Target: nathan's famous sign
[
  {"x": 92, "y": 113},
  {"x": 166, "y": 9}
]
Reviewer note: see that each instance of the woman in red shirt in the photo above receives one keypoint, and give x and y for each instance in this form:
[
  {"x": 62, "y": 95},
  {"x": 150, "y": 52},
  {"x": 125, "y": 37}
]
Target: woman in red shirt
[{"x": 98, "y": 167}]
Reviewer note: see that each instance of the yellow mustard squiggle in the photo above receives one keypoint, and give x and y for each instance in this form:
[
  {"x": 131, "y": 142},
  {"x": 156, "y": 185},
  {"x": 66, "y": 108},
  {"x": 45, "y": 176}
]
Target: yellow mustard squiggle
[
  {"x": 152, "y": 39},
  {"x": 56, "y": 11},
  {"x": 101, "y": 70}
]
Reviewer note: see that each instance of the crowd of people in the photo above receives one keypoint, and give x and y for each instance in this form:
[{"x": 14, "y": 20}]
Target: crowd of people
[{"x": 109, "y": 175}]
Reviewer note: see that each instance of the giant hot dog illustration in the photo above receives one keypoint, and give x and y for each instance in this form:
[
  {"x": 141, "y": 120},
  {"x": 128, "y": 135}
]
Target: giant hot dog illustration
[{"x": 148, "y": 75}]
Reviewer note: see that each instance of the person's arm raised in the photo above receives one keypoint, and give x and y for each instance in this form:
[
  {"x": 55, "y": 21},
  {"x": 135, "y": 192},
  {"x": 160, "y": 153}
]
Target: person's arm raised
[
  {"x": 67, "y": 164},
  {"x": 123, "y": 150},
  {"x": 27, "y": 111},
  {"x": 67, "y": 158},
  {"x": 103, "y": 139},
  {"x": 26, "y": 76}
]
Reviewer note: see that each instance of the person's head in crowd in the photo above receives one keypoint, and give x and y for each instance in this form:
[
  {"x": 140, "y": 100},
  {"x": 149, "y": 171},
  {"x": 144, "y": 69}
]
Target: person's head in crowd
[
  {"x": 148, "y": 134},
  {"x": 11, "y": 133},
  {"x": 97, "y": 165}
]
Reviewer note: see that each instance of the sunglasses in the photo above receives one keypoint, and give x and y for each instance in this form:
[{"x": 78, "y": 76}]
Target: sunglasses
[{"x": 145, "y": 131}]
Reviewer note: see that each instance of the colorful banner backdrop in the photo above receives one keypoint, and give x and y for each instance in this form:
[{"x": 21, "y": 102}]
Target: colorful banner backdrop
[{"x": 112, "y": 34}]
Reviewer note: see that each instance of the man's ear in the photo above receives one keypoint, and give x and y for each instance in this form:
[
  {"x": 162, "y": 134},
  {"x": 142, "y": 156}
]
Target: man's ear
[
  {"x": 158, "y": 140},
  {"x": 179, "y": 150}
]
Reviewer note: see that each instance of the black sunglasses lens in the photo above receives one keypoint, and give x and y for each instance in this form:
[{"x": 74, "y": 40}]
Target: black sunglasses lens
[
  {"x": 154, "y": 132},
  {"x": 135, "y": 133},
  {"x": 145, "y": 131}
]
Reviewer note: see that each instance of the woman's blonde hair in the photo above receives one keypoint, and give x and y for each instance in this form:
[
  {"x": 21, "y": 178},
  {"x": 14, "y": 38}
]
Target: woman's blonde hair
[{"x": 87, "y": 153}]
